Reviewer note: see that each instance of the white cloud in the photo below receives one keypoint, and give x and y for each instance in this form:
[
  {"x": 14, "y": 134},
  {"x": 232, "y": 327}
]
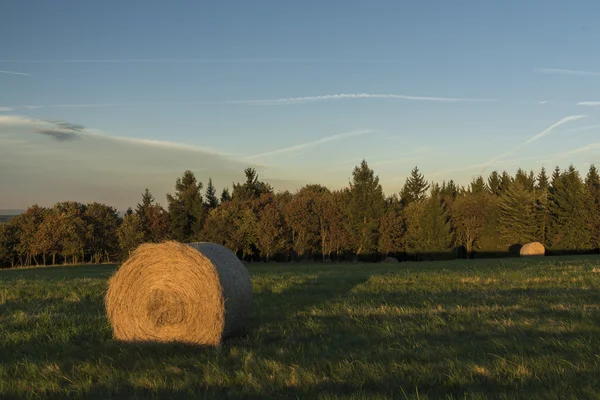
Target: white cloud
[
  {"x": 567, "y": 72},
  {"x": 4, "y": 109},
  {"x": 14, "y": 73},
  {"x": 583, "y": 128},
  {"x": 64, "y": 161},
  {"x": 588, "y": 103},
  {"x": 531, "y": 140},
  {"x": 346, "y": 96},
  {"x": 313, "y": 143}
]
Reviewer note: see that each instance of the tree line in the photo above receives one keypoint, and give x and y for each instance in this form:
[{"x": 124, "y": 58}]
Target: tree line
[{"x": 426, "y": 220}]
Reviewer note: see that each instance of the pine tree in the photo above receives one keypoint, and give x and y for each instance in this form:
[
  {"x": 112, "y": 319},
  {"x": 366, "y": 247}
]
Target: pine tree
[
  {"x": 542, "y": 213},
  {"x": 542, "y": 180},
  {"x": 252, "y": 188},
  {"x": 592, "y": 183},
  {"x": 436, "y": 231},
  {"x": 478, "y": 186},
  {"x": 414, "y": 189},
  {"x": 142, "y": 210},
  {"x": 147, "y": 200},
  {"x": 367, "y": 203},
  {"x": 570, "y": 219},
  {"x": 211, "y": 195},
  {"x": 186, "y": 212},
  {"x": 505, "y": 182},
  {"x": 494, "y": 183},
  {"x": 225, "y": 196},
  {"x": 517, "y": 215},
  {"x": 525, "y": 180}
]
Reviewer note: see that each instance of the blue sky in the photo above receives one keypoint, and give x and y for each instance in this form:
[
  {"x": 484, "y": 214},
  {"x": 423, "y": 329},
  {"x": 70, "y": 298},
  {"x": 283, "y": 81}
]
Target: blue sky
[{"x": 300, "y": 90}]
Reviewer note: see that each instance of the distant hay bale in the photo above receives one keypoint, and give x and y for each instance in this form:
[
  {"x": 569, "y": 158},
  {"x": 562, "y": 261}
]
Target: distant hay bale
[
  {"x": 533, "y": 249},
  {"x": 391, "y": 260},
  {"x": 171, "y": 292}
]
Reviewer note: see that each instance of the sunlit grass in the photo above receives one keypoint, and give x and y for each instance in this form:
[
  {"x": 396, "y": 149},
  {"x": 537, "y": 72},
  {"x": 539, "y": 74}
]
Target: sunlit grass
[{"x": 527, "y": 328}]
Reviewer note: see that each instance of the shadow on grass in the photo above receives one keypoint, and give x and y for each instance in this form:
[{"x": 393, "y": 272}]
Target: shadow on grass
[
  {"x": 337, "y": 339},
  {"x": 60, "y": 272}
]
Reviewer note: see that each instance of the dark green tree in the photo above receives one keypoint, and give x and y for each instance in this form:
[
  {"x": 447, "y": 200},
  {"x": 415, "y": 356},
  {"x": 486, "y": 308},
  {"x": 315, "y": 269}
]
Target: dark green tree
[
  {"x": 542, "y": 207},
  {"x": 186, "y": 212},
  {"x": 570, "y": 228},
  {"x": 252, "y": 188},
  {"x": 415, "y": 188},
  {"x": 526, "y": 180},
  {"x": 494, "y": 183},
  {"x": 225, "y": 196},
  {"x": 435, "y": 230},
  {"x": 211, "y": 195},
  {"x": 505, "y": 182},
  {"x": 478, "y": 186},
  {"x": 542, "y": 182},
  {"x": 592, "y": 183},
  {"x": 517, "y": 215},
  {"x": 366, "y": 205}
]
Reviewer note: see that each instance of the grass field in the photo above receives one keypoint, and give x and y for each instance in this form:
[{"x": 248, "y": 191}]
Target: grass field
[{"x": 509, "y": 328}]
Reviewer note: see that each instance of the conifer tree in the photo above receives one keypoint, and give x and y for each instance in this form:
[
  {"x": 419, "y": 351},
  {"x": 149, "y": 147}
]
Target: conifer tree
[
  {"x": 415, "y": 188},
  {"x": 478, "y": 186},
  {"x": 505, "y": 182},
  {"x": 570, "y": 230},
  {"x": 225, "y": 196},
  {"x": 542, "y": 212},
  {"x": 186, "y": 212},
  {"x": 366, "y": 205},
  {"x": 211, "y": 195},
  {"x": 517, "y": 215},
  {"x": 494, "y": 183},
  {"x": 435, "y": 231},
  {"x": 252, "y": 188},
  {"x": 592, "y": 183}
]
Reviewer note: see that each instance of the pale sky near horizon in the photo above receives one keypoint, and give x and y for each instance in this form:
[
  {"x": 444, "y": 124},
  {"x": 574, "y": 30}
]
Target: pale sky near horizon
[{"x": 99, "y": 100}]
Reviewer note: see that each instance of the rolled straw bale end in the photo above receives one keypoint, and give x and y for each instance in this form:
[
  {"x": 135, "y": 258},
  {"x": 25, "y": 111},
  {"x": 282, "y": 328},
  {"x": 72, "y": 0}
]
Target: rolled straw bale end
[
  {"x": 533, "y": 249},
  {"x": 173, "y": 292}
]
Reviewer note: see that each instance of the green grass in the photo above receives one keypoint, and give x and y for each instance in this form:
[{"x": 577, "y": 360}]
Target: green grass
[{"x": 509, "y": 328}]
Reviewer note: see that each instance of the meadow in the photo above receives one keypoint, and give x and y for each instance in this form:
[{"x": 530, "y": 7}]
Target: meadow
[{"x": 499, "y": 328}]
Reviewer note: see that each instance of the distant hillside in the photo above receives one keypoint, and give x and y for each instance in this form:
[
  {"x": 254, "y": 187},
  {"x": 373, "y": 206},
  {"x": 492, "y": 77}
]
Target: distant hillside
[
  {"x": 11, "y": 212},
  {"x": 5, "y": 218}
]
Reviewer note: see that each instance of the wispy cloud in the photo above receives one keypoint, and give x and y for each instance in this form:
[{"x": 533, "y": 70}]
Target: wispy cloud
[
  {"x": 64, "y": 131},
  {"x": 352, "y": 96},
  {"x": 487, "y": 164},
  {"x": 567, "y": 71},
  {"x": 4, "y": 109},
  {"x": 14, "y": 73},
  {"x": 531, "y": 139},
  {"x": 40, "y": 156},
  {"x": 588, "y": 103},
  {"x": 265, "y": 102},
  {"x": 314, "y": 143},
  {"x": 202, "y": 60},
  {"x": 583, "y": 128}
]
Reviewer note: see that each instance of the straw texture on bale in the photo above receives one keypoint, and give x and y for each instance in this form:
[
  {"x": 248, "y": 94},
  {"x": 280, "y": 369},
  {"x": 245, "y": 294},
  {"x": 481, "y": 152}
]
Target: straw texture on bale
[
  {"x": 197, "y": 293},
  {"x": 533, "y": 249}
]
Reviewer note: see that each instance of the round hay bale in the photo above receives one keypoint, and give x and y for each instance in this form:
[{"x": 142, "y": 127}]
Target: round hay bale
[
  {"x": 198, "y": 293},
  {"x": 533, "y": 249},
  {"x": 391, "y": 260}
]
